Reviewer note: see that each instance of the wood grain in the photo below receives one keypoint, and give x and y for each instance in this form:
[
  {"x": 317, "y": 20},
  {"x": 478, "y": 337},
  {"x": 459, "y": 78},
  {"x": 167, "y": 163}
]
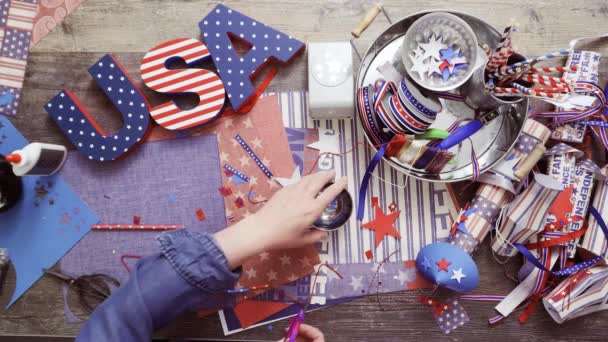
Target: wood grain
[{"x": 129, "y": 28}]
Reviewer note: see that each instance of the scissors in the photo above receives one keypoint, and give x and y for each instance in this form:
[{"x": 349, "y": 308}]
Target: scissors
[{"x": 92, "y": 289}]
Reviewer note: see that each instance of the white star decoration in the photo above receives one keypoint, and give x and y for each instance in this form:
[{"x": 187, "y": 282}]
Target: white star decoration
[
  {"x": 247, "y": 123},
  {"x": 431, "y": 49},
  {"x": 257, "y": 142},
  {"x": 264, "y": 256},
  {"x": 295, "y": 177},
  {"x": 272, "y": 275},
  {"x": 251, "y": 273},
  {"x": 328, "y": 142},
  {"x": 407, "y": 276},
  {"x": 418, "y": 65},
  {"x": 356, "y": 282},
  {"x": 244, "y": 160},
  {"x": 305, "y": 261},
  {"x": 285, "y": 260},
  {"x": 458, "y": 275},
  {"x": 433, "y": 67}
]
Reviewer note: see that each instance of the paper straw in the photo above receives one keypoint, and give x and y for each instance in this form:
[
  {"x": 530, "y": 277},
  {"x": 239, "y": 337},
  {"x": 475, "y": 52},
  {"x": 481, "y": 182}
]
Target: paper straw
[
  {"x": 552, "y": 89},
  {"x": 134, "y": 227},
  {"x": 507, "y": 91},
  {"x": 560, "y": 69},
  {"x": 523, "y": 89}
]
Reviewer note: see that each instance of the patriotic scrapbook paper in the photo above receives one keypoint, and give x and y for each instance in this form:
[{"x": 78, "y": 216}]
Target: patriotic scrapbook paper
[
  {"x": 266, "y": 139},
  {"x": 426, "y": 208},
  {"x": 50, "y": 14},
  {"x": 16, "y": 23}
]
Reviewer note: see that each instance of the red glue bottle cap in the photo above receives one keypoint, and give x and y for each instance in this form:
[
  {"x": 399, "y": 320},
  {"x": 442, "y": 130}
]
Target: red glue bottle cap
[{"x": 13, "y": 158}]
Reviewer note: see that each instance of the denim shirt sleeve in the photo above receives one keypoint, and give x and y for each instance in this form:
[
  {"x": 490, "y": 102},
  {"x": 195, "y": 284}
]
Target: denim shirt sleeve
[{"x": 189, "y": 274}]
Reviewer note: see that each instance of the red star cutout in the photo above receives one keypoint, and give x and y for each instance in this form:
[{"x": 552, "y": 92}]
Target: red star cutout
[
  {"x": 443, "y": 265},
  {"x": 383, "y": 225},
  {"x": 561, "y": 207}
]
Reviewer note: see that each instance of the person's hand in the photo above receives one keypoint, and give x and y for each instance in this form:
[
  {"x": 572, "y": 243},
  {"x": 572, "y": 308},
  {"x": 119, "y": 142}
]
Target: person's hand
[
  {"x": 284, "y": 221},
  {"x": 308, "y": 333}
]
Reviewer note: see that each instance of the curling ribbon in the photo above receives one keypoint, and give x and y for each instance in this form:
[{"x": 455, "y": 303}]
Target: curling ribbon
[
  {"x": 572, "y": 269},
  {"x": 365, "y": 182}
]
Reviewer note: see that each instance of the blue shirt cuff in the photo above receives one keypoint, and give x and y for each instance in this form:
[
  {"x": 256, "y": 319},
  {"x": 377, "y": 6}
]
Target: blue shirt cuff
[{"x": 184, "y": 250}]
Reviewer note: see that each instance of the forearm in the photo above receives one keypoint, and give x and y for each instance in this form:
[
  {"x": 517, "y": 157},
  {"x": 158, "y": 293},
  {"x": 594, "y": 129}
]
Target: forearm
[
  {"x": 242, "y": 241},
  {"x": 190, "y": 274}
]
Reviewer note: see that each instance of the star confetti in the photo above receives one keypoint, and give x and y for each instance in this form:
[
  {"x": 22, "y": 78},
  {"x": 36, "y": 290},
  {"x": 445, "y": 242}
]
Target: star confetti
[
  {"x": 434, "y": 57},
  {"x": 382, "y": 224}
]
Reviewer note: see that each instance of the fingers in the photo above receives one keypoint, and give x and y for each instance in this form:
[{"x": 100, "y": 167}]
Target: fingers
[
  {"x": 313, "y": 236},
  {"x": 318, "y": 180},
  {"x": 329, "y": 194},
  {"x": 310, "y": 333}
]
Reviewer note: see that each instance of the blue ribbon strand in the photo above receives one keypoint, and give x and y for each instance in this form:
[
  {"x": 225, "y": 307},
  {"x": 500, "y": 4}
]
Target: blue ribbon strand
[
  {"x": 572, "y": 269},
  {"x": 365, "y": 182}
]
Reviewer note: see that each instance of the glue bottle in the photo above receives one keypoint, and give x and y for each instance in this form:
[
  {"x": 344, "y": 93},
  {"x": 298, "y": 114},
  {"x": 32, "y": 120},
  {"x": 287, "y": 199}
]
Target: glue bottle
[
  {"x": 11, "y": 186},
  {"x": 37, "y": 159}
]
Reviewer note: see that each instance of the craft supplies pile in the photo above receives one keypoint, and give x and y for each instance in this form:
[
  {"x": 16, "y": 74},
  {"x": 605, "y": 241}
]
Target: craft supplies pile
[{"x": 437, "y": 103}]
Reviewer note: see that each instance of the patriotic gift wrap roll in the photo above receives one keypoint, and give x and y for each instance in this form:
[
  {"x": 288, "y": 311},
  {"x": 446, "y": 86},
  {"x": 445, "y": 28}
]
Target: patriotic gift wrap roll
[
  {"x": 526, "y": 215},
  {"x": 498, "y": 188},
  {"x": 586, "y": 64},
  {"x": 594, "y": 240},
  {"x": 580, "y": 294},
  {"x": 584, "y": 175},
  {"x": 562, "y": 160}
]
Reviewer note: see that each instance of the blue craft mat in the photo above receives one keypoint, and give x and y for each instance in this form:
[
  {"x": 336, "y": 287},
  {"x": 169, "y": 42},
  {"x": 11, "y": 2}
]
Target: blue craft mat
[
  {"x": 45, "y": 224},
  {"x": 163, "y": 182}
]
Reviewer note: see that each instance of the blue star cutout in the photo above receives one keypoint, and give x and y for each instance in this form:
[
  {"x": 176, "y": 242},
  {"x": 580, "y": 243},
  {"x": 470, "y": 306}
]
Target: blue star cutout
[
  {"x": 596, "y": 58},
  {"x": 238, "y": 180},
  {"x": 171, "y": 197},
  {"x": 446, "y": 74},
  {"x": 448, "y": 54}
]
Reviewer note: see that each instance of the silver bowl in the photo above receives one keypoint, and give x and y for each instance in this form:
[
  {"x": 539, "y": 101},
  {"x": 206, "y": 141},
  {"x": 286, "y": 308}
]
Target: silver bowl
[{"x": 491, "y": 143}]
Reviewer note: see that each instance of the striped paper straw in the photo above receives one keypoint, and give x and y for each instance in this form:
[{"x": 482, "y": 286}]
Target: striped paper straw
[
  {"x": 559, "y": 53},
  {"x": 545, "y": 80},
  {"x": 507, "y": 91},
  {"x": 560, "y": 69},
  {"x": 552, "y": 89},
  {"x": 523, "y": 89}
]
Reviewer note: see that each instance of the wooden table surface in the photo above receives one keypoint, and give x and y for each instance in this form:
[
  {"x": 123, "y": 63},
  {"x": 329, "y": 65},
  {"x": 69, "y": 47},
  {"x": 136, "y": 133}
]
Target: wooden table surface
[{"x": 129, "y": 28}]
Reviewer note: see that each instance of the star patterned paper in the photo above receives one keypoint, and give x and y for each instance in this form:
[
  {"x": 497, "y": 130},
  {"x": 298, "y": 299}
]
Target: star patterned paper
[
  {"x": 16, "y": 23},
  {"x": 452, "y": 317},
  {"x": 485, "y": 208},
  {"x": 266, "y": 44},
  {"x": 262, "y": 129}
]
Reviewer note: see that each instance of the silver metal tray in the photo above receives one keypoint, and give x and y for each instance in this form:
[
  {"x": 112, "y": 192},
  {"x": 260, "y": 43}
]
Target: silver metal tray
[{"x": 491, "y": 143}]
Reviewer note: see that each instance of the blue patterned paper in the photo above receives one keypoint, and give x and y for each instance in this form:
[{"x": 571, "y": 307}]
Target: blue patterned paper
[
  {"x": 83, "y": 131},
  {"x": 48, "y": 221},
  {"x": 236, "y": 72}
]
